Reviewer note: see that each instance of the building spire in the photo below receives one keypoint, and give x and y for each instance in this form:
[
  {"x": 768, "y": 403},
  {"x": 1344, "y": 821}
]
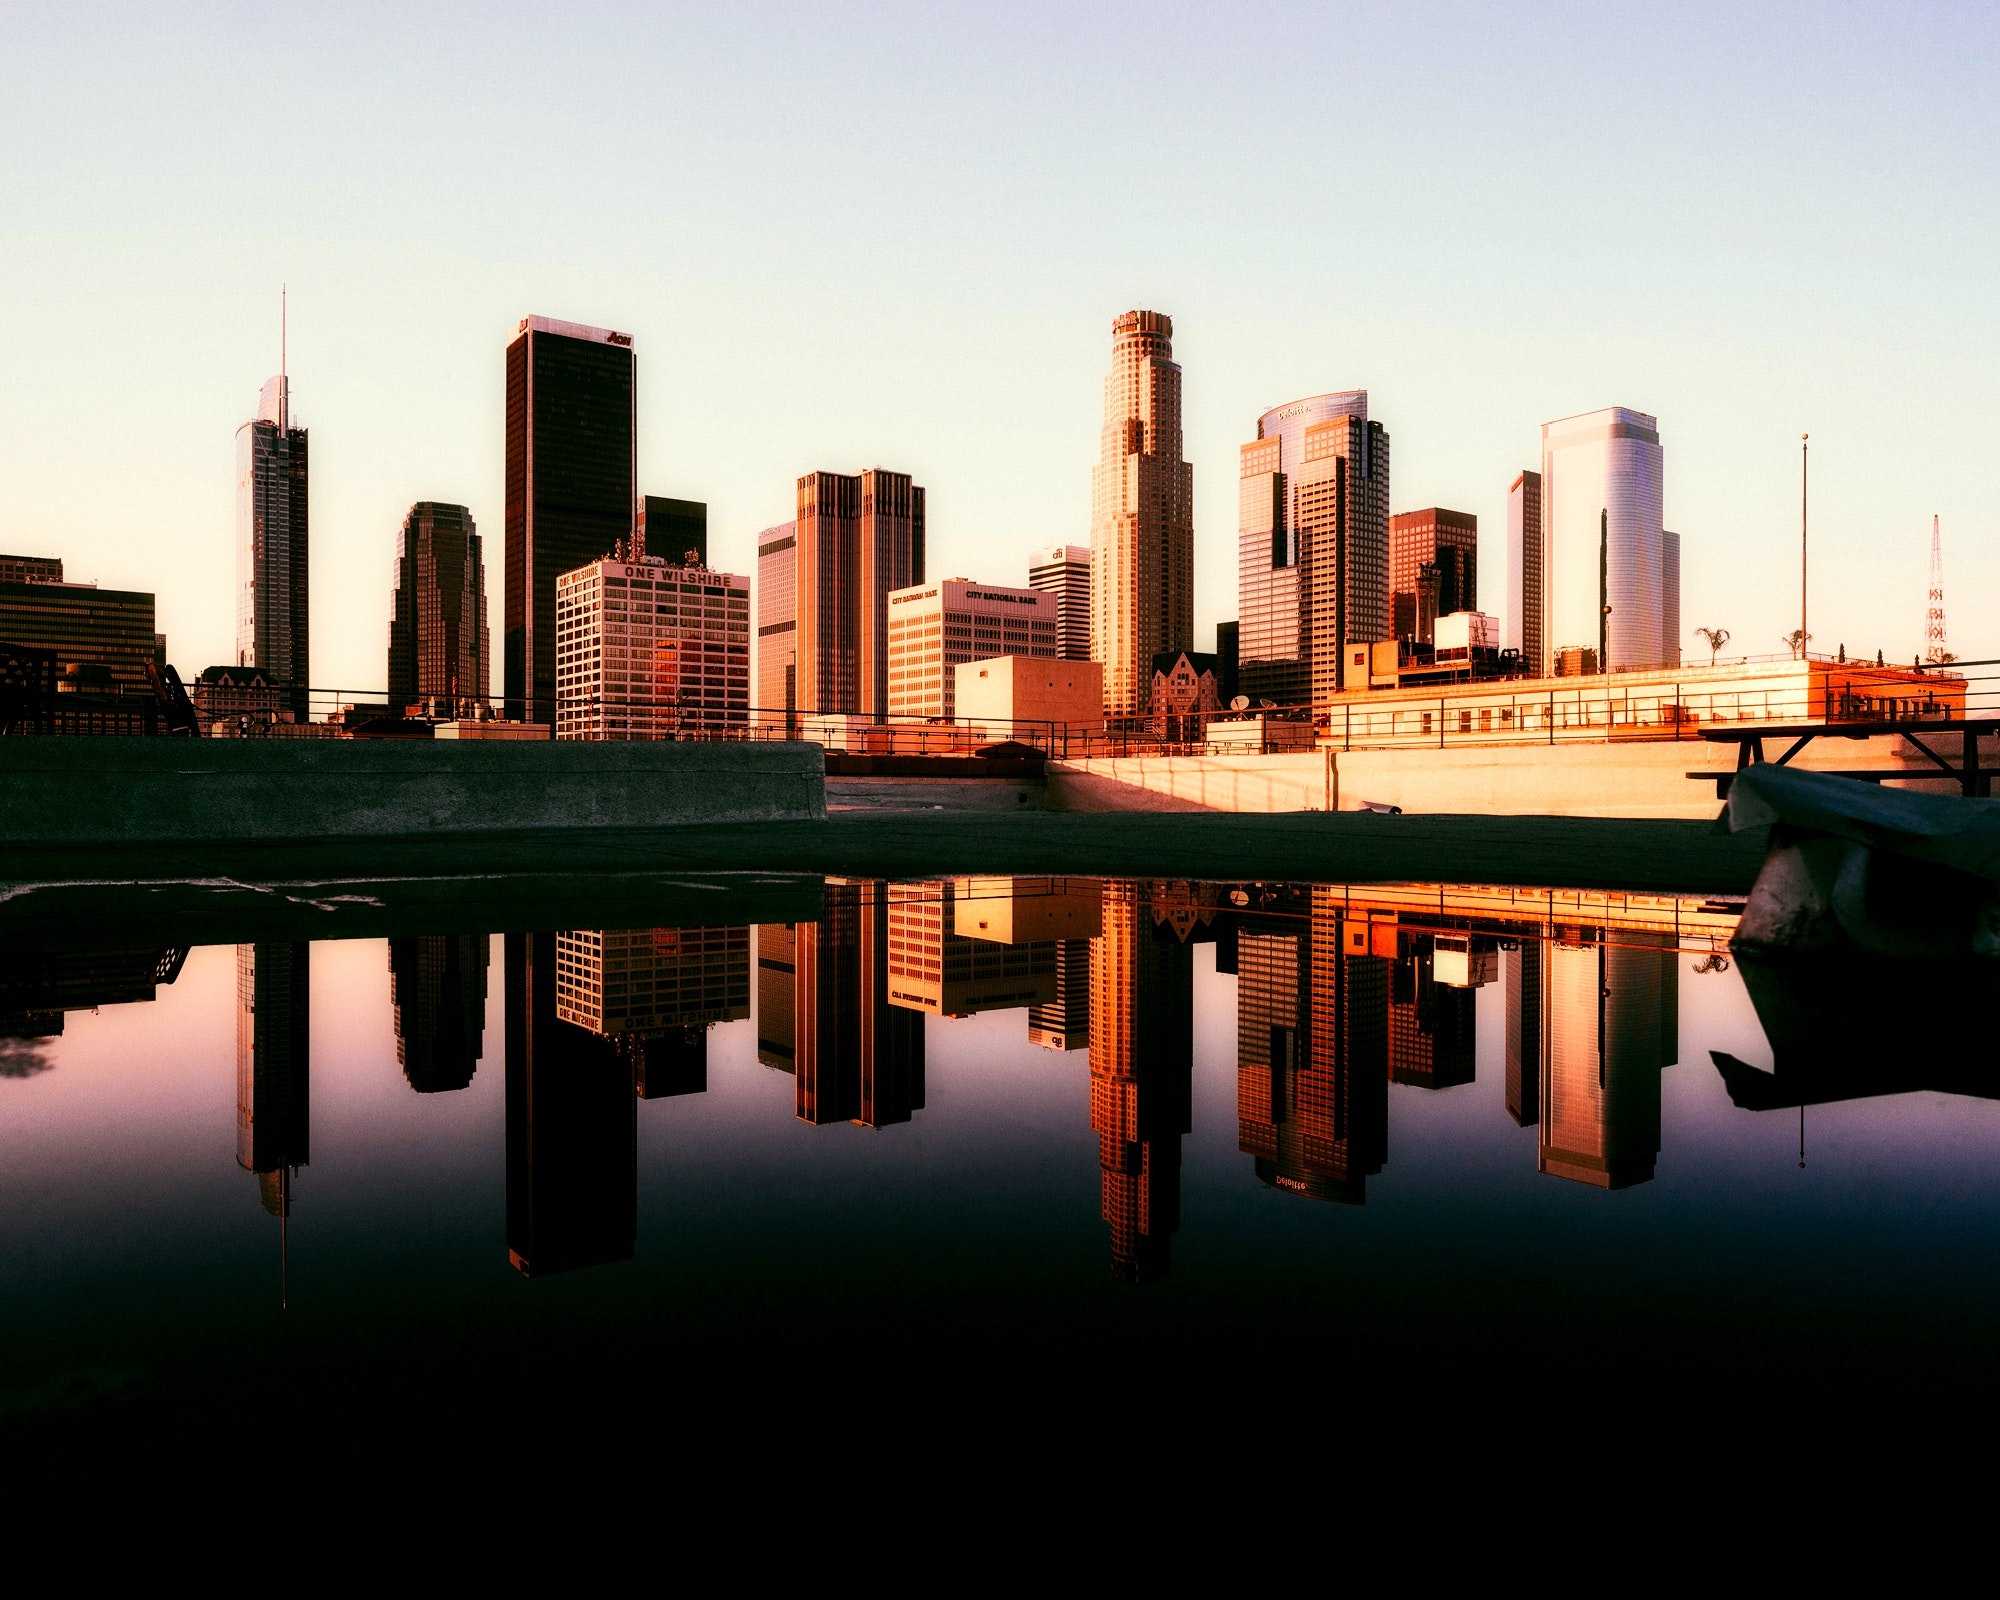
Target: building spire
[
  {"x": 284, "y": 382},
  {"x": 1934, "y": 647}
]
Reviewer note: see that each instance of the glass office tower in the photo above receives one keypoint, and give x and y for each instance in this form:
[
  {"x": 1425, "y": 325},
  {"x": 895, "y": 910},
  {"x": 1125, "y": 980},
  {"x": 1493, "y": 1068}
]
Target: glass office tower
[
  {"x": 571, "y": 394},
  {"x": 1604, "y": 544},
  {"x": 271, "y": 546}
]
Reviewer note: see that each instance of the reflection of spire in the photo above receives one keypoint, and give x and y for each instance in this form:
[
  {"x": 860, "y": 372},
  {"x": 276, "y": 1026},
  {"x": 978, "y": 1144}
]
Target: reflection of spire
[
  {"x": 437, "y": 984},
  {"x": 1611, "y": 1024},
  {"x": 1313, "y": 1052},
  {"x": 572, "y": 1127},
  {"x": 854, "y": 1055},
  {"x": 1141, "y": 1079}
]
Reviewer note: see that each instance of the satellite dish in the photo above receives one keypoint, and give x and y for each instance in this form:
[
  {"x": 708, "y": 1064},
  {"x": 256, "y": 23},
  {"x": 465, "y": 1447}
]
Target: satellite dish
[{"x": 1240, "y": 703}]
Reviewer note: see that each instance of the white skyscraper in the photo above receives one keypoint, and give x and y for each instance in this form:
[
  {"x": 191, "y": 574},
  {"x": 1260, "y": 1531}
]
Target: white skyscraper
[{"x": 1605, "y": 555}]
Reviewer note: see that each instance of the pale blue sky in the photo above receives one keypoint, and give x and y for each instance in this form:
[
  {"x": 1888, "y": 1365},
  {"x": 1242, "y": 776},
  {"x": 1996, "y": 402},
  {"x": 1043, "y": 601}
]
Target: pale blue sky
[{"x": 897, "y": 235}]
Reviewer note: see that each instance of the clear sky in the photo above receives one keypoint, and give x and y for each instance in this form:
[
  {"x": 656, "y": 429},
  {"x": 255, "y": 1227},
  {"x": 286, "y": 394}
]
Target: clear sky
[{"x": 896, "y": 236}]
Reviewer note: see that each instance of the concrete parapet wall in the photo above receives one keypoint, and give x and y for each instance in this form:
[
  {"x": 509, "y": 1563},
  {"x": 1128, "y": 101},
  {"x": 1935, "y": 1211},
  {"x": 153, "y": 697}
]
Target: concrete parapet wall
[
  {"x": 1297, "y": 781},
  {"x": 934, "y": 794},
  {"x": 108, "y": 791},
  {"x": 1622, "y": 779}
]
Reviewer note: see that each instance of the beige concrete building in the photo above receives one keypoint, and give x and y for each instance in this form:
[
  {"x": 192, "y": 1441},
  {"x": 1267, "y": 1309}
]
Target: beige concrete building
[
  {"x": 998, "y": 695},
  {"x": 1142, "y": 514},
  {"x": 645, "y": 650},
  {"x": 935, "y": 626}
]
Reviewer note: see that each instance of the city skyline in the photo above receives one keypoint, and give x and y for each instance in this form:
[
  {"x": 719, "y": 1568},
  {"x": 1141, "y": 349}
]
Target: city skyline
[{"x": 1805, "y": 270}]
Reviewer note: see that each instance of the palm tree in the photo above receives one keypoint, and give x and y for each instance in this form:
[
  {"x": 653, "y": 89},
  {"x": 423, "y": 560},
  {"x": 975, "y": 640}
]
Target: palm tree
[
  {"x": 1796, "y": 642},
  {"x": 1716, "y": 638}
]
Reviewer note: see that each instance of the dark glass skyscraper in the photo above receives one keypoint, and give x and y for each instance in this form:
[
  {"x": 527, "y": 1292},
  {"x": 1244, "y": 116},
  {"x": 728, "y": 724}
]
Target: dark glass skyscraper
[
  {"x": 673, "y": 530},
  {"x": 571, "y": 394},
  {"x": 438, "y": 639},
  {"x": 271, "y": 548}
]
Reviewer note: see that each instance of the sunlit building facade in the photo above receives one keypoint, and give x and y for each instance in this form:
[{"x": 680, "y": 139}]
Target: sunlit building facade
[
  {"x": 438, "y": 638},
  {"x": 778, "y": 625},
  {"x": 273, "y": 617},
  {"x": 855, "y": 541},
  {"x": 1604, "y": 557},
  {"x": 645, "y": 650},
  {"x": 1273, "y": 650},
  {"x": 571, "y": 413},
  {"x": 1142, "y": 514},
  {"x": 1521, "y": 608},
  {"x": 935, "y": 626},
  {"x": 1433, "y": 570},
  {"x": 1063, "y": 571},
  {"x": 1343, "y": 535}
]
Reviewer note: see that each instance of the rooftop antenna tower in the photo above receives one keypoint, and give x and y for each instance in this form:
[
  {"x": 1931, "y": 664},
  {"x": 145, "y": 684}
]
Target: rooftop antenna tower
[
  {"x": 284, "y": 383},
  {"x": 1934, "y": 650}
]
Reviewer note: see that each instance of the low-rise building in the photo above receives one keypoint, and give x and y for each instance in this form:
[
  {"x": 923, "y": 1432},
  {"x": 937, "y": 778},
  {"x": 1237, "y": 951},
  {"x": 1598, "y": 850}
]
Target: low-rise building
[
  {"x": 1186, "y": 695},
  {"x": 228, "y": 700},
  {"x": 649, "y": 650},
  {"x": 933, "y": 627},
  {"x": 1026, "y": 697},
  {"x": 84, "y": 625}
]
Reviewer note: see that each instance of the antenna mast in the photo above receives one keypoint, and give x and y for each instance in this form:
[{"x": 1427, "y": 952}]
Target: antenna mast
[
  {"x": 1934, "y": 650},
  {"x": 284, "y": 382}
]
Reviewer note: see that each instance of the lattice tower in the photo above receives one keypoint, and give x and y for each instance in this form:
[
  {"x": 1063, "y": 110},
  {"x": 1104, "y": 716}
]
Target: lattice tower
[{"x": 1934, "y": 649}]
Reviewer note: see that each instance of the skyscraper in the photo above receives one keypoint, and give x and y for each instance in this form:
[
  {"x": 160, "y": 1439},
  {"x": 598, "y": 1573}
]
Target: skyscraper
[
  {"x": 1521, "y": 619},
  {"x": 671, "y": 529},
  {"x": 1602, "y": 503},
  {"x": 1063, "y": 570},
  {"x": 1670, "y": 599},
  {"x": 1142, "y": 515},
  {"x": 1433, "y": 570},
  {"x": 1343, "y": 535},
  {"x": 272, "y": 616},
  {"x": 438, "y": 639},
  {"x": 778, "y": 624},
  {"x": 824, "y": 607},
  {"x": 571, "y": 399},
  {"x": 1272, "y": 647}
]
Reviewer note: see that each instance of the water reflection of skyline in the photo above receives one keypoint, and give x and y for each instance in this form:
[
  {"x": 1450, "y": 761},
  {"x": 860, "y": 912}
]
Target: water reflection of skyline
[{"x": 1343, "y": 994}]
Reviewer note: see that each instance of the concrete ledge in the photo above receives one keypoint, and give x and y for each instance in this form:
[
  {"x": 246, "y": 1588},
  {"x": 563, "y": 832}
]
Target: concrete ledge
[
  {"x": 121, "y": 792},
  {"x": 933, "y": 794}
]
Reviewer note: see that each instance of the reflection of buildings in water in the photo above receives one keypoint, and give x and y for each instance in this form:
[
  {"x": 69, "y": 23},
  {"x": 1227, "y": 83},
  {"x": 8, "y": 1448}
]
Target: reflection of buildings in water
[
  {"x": 1524, "y": 1032},
  {"x": 437, "y": 986},
  {"x": 1313, "y": 1050},
  {"x": 572, "y": 1127},
  {"x": 1432, "y": 1031},
  {"x": 983, "y": 944},
  {"x": 656, "y": 992},
  {"x": 273, "y": 1066},
  {"x": 824, "y": 1012},
  {"x": 36, "y": 987},
  {"x": 1141, "y": 1078},
  {"x": 1608, "y": 1025},
  {"x": 1063, "y": 1021}
]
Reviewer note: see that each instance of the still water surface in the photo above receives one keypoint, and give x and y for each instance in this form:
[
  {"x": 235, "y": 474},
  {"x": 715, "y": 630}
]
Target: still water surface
[{"x": 977, "y": 1154}]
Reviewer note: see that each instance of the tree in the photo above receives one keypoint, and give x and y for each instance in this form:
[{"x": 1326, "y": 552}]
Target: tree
[
  {"x": 1796, "y": 642},
  {"x": 1716, "y": 638}
]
